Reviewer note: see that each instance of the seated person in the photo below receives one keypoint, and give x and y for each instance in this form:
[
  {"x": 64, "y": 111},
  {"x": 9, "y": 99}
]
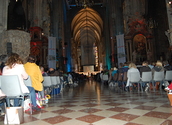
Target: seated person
[
  {"x": 35, "y": 74},
  {"x": 125, "y": 67},
  {"x": 42, "y": 71},
  {"x": 167, "y": 66},
  {"x": 53, "y": 72},
  {"x": 157, "y": 68},
  {"x": 14, "y": 66},
  {"x": 144, "y": 68},
  {"x": 120, "y": 72},
  {"x": 132, "y": 68}
]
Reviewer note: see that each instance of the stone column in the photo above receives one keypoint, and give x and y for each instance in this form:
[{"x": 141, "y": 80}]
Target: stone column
[
  {"x": 38, "y": 13},
  {"x": 3, "y": 15},
  {"x": 169, "y": 31}
]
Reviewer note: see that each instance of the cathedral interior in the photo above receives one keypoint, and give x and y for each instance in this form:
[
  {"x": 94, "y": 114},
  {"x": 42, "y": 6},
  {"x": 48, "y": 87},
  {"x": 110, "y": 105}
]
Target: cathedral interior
[
  {"x": 80, "y": 36},
  {"x": 86, "y": 31}
]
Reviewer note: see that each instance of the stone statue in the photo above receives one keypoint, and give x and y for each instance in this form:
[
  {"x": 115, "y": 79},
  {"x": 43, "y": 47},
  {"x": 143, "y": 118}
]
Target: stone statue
[
  {"x": 168, "y": 33},
  {"x": 134, "y": 56},
  {"x": 149, "y": 55}
]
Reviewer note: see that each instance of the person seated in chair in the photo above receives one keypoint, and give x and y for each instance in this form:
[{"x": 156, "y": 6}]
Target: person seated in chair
[
  {"x": 132, "y": 68},
  {"x": 14, "y": 66},
  {"x": 53, "y": 72},
  {"x": 120, "y": 72},
  {"x": 157, "y": 68},
  {"x": 167, "y": 66},
  {"x": 144, "y": 68},
  {"x": 125, "y": 67},
  {"x": 33, "y": 70}
]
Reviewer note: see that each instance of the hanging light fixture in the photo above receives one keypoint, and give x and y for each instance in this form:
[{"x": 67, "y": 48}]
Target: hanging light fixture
[{"x": 84, "y": 3}]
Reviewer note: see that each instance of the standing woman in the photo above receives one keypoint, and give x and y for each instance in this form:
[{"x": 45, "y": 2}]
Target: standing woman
[
  {"x": 35, "y": 74},
  {"x": 14, "y": 66}
]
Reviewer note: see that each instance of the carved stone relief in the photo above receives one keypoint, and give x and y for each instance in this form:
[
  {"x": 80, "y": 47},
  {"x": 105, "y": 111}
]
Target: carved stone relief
[{"x": 20, "y": 41}]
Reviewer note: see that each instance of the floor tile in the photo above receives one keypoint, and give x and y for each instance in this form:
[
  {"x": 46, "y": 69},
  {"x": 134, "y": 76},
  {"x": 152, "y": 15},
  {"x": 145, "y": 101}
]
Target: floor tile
[
  {"x": 90, "y": 105},
  {"x": 56, "y": 119},
  {"x": 38, "y": 122},
  {"x": 118, "y": 109},
  {"x": 67, "y": 105},
  {"x": 75, "y": 114},
  {"x": 124, "y": 116},
  {"x": 113, "y": 104},
  {"x": 158, "y": 114},
  {"x": 131, "y": 123},
  {"x": 72, "y": 122},
  {"x": 154, "y": 104},
  {"x": 62, "y": 111},
  {"x": 110, "y": 121},
  {"x": 44, "y": 115},
  {"x": 143, "y": 107},
  {"x": 163, "y": 109},
  {"x": 167, "y": 122},
  {"x": 148, "y": 120},
  {"x": 90, "y": 110},
  {"x": 128, "y": 105},
  {"x": 90, "y": 118},
  {"x": 136, "y": 112}
]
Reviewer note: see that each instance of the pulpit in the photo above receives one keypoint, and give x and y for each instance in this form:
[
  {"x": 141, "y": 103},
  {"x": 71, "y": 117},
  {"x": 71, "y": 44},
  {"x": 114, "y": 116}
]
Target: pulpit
[{"x": 38, "y": 45}]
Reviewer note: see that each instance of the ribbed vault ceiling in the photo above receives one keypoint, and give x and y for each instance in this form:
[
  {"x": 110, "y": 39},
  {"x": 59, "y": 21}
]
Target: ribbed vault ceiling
[{"x": 89, "y": 20}]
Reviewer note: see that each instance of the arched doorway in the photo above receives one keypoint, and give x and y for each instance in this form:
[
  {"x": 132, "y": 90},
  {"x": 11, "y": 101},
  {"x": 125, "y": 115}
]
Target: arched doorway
[{"x": 87, "y": 28}]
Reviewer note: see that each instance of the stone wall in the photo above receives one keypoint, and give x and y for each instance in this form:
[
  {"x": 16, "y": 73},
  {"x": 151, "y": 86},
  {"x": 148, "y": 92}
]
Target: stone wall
[{"x": 20, "y": 41}]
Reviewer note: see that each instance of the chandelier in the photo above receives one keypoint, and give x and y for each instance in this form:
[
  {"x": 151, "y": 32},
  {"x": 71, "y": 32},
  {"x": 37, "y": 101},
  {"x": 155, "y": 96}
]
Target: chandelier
[{"x": 84, "y": 3}]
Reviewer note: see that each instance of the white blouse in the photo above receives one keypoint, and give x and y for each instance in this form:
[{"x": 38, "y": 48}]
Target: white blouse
[{"x": 18, "y": 69}]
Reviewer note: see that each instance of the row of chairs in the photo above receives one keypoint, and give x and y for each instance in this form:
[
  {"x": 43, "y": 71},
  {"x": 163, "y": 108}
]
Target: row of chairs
[
  {"x": 53, "y": 82},
  {"x": 147, "y": 77},
  {"x": 12, "y": 89}
]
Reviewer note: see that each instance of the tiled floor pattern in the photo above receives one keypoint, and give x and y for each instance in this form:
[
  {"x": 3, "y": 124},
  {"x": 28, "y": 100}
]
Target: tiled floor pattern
[{"x": 94, "y": 104}]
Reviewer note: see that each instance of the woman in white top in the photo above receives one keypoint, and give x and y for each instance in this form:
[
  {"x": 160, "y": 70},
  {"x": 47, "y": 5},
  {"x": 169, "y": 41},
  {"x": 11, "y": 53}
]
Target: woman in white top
[
  {"x": 14, "y": 66},
  {"x": 132, "y": 68}
]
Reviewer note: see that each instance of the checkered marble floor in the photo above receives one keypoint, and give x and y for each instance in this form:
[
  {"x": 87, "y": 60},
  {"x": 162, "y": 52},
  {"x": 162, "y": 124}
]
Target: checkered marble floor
[{"x": 94, "y": 104}]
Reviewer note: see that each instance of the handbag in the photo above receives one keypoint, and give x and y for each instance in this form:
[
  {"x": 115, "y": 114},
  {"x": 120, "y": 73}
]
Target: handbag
[
  {"x": 14, "y": 115},
  {"x": 27, "y": 104}
]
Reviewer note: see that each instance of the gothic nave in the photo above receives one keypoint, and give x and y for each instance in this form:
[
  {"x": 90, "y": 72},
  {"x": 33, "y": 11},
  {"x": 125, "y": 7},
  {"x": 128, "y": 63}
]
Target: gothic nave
[{"x": 89, "y": 36}]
